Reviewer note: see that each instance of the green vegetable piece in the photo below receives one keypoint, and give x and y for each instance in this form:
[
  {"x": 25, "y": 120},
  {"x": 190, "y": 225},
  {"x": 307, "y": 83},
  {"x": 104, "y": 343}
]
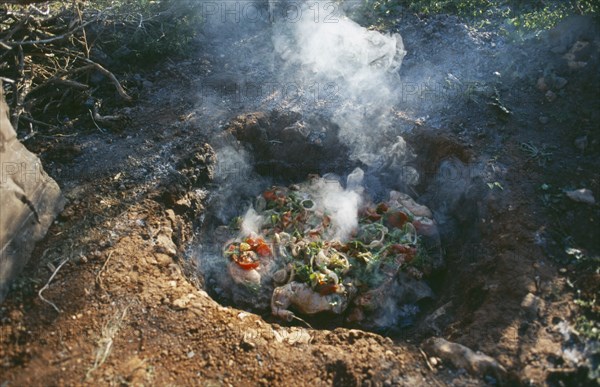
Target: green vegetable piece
[{"x": 308, "y": 204}]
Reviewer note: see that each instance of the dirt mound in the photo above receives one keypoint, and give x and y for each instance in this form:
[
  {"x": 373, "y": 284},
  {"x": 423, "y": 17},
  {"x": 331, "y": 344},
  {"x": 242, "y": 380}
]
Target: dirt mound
[{"x": 286, "y": 144}]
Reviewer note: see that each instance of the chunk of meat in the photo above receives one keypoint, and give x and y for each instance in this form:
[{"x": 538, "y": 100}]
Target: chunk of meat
[
  {"x": 306, "y": 300},
  {"x": 242, "y": 276}
]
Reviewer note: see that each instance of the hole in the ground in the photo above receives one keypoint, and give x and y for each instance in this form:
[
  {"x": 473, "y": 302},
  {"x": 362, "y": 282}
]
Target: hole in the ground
[{"x": 298, "y": 231}]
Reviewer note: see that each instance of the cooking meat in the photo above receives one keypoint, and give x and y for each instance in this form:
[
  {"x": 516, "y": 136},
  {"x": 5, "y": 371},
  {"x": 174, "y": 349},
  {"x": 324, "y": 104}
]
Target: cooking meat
[
  {"x": 306, "y": 300},
  {"x": 243, "y": 277}
]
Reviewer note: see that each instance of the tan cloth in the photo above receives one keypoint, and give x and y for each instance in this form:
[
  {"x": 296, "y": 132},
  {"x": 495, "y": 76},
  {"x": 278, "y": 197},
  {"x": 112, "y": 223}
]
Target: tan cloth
[{"x": 29, "y": 201}]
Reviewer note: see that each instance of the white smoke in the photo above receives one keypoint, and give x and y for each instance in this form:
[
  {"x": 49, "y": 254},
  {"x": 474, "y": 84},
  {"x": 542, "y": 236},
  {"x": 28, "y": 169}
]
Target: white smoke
[
  {"x": 339, "y": 48},
  {"x": 340, "y": 204},
  {"x": 312, "y": 59},
  {"x": 329, "y": 197},
  {"x": 251, "y": 223},
  {"x": 236, "y": 180},
  {"x": 350, "y": 70}
]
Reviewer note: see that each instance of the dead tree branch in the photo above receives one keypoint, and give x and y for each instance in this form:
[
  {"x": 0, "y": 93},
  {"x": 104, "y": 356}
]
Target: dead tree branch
[{"x": 112, "y": 78}]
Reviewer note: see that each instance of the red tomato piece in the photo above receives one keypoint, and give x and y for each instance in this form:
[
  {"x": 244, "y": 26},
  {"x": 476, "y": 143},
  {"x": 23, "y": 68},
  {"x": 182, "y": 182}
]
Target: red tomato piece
[
  {"x": 382, "y": 207},
  {"x": 263, "y": 250},
  {"x": 248, "y": 265},
  {"x": 270, "y": 195},
  {"x": 254, "y": 243},
  {"x": 399, "y": 249},
  {"x": 408, "y": 252},
  {"x": 286, "y": 219},
  {"x": 397, "y": 219}
]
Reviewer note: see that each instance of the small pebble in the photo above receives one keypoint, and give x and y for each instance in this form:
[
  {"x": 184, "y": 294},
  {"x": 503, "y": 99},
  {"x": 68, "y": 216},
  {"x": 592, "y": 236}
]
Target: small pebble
[
  {"x": 582, "y": 195},
  {"x": 581, "y": 143},
  {"x": 541, "y": 85},
  {"x": 550, "y": 96},
  {"x": 560, "y": 82}
]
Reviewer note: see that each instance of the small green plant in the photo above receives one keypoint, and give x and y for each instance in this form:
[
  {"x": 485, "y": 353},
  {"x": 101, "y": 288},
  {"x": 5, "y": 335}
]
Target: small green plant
[
  {"x": 588, "y": 328},
  {"x": 495, "y": 184},
  {"x": 587, "y": 322},
  {"x": 541, "y": 155}
]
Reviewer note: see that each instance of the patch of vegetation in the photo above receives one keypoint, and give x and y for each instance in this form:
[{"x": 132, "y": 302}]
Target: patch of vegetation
[
  {"x": 585, "y": 326},
  {"x": 588, "y": 322},
  {"x": 508, "y": 15}
]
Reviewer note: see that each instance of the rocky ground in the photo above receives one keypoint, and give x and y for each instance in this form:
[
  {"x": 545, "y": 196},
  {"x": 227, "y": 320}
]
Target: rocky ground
[{"x": 124, "y": 303}]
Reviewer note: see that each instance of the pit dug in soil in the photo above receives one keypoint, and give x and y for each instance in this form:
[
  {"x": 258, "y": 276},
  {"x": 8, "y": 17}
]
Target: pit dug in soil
[{"x": 326, "y": 250}]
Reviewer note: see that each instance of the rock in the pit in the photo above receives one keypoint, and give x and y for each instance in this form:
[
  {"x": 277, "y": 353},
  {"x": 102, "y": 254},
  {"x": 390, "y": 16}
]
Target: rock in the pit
[
  {"x": 407, "y": 202},
  {"x": 164, "y": 242},
  {"x": 460, "y": 356},
  {"x": 582, "y": 195}
]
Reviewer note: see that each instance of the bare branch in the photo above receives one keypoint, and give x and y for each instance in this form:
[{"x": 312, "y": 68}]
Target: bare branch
[
  {"x": 48, "y": 284},
  {"x": 54, "y": 39},
  {"x": 113, "y": 79}
]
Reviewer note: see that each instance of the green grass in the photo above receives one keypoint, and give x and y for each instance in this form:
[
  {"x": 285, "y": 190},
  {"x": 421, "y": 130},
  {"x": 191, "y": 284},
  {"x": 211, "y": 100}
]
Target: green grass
[{"x": 510, "y": 16}]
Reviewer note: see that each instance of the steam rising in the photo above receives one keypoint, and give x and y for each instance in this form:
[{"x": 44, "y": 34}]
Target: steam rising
[
  {"x": 236, "y": 180},
  {"x": 329, "y": 197},
  {"x": 341, "y": 204},
  {"x": 312, "y": 59},
  {"x": 355, "y": 71},
  {"x": 340, "y": 49},
  {"x": 251, "y": 222}
]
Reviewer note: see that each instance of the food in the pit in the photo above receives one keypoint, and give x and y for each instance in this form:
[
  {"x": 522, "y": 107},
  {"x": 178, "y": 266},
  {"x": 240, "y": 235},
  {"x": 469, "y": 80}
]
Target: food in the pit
[
  {"x": 307, "y": 300},
  {"x": 317, "y": 247}
]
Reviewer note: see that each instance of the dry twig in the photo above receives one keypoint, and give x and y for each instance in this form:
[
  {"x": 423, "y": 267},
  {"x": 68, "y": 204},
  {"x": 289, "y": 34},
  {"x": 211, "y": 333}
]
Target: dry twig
[
  {"x": 48, "y": 57},
  {"x": 98, "y": 278},
  {"x": 105, "y": 343},
  {"x": 48, "y": 284},
  {"x": 113, "y": 79},
  {"x": 53, "y": 39}
]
